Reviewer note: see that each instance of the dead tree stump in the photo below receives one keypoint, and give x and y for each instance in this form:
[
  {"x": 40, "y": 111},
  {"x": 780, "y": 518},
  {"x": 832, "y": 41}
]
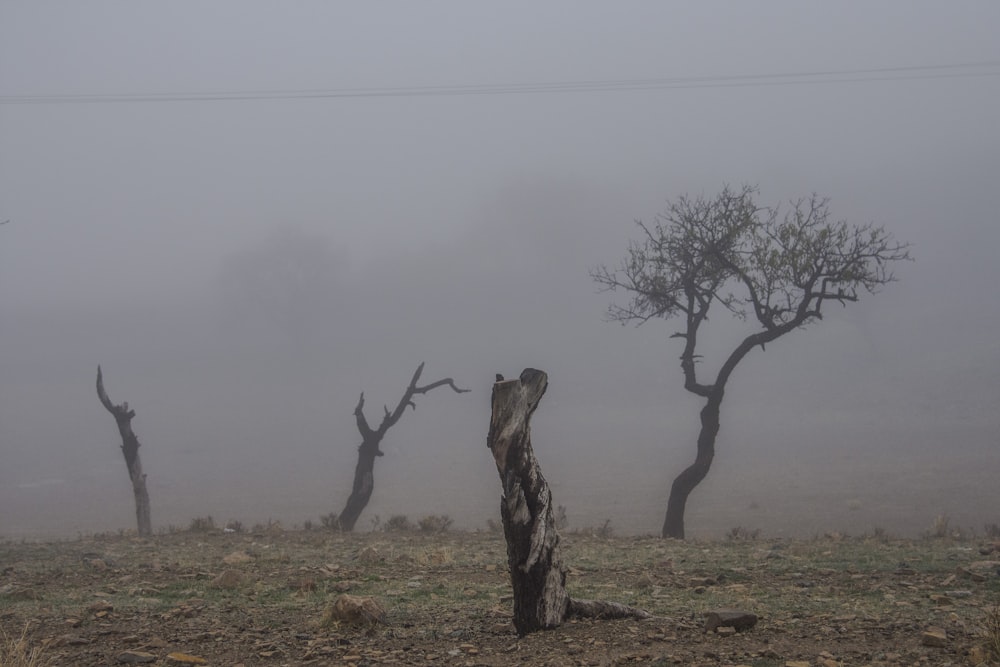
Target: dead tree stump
[{"x": 537, "y": 572}]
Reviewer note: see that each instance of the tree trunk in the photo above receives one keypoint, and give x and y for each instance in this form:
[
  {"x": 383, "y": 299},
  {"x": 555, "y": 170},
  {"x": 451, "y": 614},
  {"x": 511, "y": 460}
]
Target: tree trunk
[
  {"x": 537, "y": 572},
  {"x": 364, "y": 484},
  {"x": 130, "y": 448},
  {"x": 364, "y": 480},
  {"x": 684, "y": 484}
]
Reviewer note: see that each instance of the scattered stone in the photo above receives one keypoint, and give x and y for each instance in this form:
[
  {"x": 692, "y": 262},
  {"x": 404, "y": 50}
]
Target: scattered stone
[
  {"x": 228, "y": 580},
  {"x": 135, "y": 657},
  {"x": 185, "y": 659},
  {"x": 725, "y": 631},
  {"x": 739, "y": 620},
  {"x": 354, "y": 610},
  {"x": 97, "y": 564},
  {"x": 941, "y": 600},
  {"x": 100, "y": 606},
  {"x": 797, "y": 663},
  {"x": 342, "y": 586},
  {"x": 958, "y": 594},
  {"x": 934, "y": 637},
  {"x": 237, "y": 557},
  {"x": 73, "y": 640}
]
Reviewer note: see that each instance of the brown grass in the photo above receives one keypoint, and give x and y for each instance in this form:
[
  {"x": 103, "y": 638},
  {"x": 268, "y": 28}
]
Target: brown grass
[{"x": 18, "y": 651}]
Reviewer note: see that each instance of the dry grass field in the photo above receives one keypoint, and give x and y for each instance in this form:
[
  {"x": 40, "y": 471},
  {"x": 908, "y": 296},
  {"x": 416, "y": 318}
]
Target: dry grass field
[{"x": 261, "y": 598}]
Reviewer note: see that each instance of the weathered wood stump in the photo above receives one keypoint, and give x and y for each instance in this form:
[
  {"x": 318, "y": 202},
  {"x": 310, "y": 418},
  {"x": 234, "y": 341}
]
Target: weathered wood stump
[{"x": 537, "y": 572}]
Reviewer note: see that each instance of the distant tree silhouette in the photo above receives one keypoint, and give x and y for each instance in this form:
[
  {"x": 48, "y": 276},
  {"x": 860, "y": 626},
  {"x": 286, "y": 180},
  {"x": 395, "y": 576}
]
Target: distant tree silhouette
[
  {"x": 130, "y": 448},
  {"x": 776, "y": 270}
]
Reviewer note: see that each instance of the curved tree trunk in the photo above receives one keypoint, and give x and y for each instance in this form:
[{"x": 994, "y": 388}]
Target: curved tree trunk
[
  {"x": 537, "y": 572},
  {"x": 364, "y": 480},
  {"x": 364, "y": 484},
  {"x": 685, "y": 483},
  {"x": 130, "y": 448}
]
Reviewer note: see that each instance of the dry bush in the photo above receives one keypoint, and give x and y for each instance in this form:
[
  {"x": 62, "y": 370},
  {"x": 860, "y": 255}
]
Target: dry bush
[
  {"x": 233, "y": 526},
  {"x": 354, "y": 610},
  {"x": 330, "y": 521},
  {"x": 604, "y": 531},
  {"x": 398, "y": 523},
  {"x": 741, "y": 534},
  {"x": 561, "y": 521},
  {"x": 992, "y": 530},
  {"x": 434, "y": 523},
  {"x": 18, "y": 651},
  {"x": 991, "y": 633},
  {"x": 202, "y": 524}
]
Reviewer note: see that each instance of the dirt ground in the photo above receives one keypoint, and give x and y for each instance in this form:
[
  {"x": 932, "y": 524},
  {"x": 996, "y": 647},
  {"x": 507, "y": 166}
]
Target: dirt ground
[{"x": 259, "y": 598}]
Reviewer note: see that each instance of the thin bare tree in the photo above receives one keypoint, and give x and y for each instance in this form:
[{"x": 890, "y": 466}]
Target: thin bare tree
[
  {"x": 364, "y": 481},
  {"x": 130, "y": 448}
]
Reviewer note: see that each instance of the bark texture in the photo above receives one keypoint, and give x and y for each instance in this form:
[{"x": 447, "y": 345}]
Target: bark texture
[
  {"x": 130, "y": 448},
  {"x": 692, "y": 476},
  {"x": 537, "y": 571},
  {"x": 364, "y": 479}
]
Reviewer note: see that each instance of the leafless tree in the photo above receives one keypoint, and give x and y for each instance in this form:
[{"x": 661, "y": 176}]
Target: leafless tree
[
  {"x": 130, "y": 448},
  {"x": 776, "y": 270},
  {"x": 364, "y": 481}
]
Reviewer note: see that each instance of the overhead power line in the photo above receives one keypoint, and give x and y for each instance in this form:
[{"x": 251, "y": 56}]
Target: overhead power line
[{"x": 881, "y": 74}]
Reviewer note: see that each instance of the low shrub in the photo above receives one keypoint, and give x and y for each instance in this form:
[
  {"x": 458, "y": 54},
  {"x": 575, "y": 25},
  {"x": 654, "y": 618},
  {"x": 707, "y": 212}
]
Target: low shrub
[{"x": 434, "y": 523}]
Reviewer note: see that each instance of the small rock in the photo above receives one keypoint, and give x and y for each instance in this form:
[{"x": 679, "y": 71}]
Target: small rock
[
  {"x": 725, "y": 631},
  {"x": 98, "y": 607},
  {"x": 229, "y": 580},
  {"x": 797, "y": 663},
  {"x": 73, "y": 640},
  {"x": 185, "y": 659},
  {"x": 941, "y": 600},
  {"x": 934, "y": 637},
  {"x": 135, "y": 657},
  {"x": 958, "y": 594},
  {"x": 739, "y": 620}
]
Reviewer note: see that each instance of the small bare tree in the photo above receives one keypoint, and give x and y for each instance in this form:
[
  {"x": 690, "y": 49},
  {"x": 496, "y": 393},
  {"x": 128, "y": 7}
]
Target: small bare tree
[
  {"x": 537, "y": 572},
  {"x": 364, "y": 481},
  {"x": 777, "y": 271},
  {"x": 130, "y": 448}
]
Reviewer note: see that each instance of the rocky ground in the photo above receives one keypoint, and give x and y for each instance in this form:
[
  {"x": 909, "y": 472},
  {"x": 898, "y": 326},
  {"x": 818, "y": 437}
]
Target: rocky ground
[{"x": 263, "y": 598}]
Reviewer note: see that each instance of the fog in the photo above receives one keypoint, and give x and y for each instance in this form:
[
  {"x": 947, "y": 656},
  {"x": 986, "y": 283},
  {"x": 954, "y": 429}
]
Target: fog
[{"x": 244, "y": 268}]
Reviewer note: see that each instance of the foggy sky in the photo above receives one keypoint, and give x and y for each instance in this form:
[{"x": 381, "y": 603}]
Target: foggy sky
[{"x": 244, "y": 269}]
